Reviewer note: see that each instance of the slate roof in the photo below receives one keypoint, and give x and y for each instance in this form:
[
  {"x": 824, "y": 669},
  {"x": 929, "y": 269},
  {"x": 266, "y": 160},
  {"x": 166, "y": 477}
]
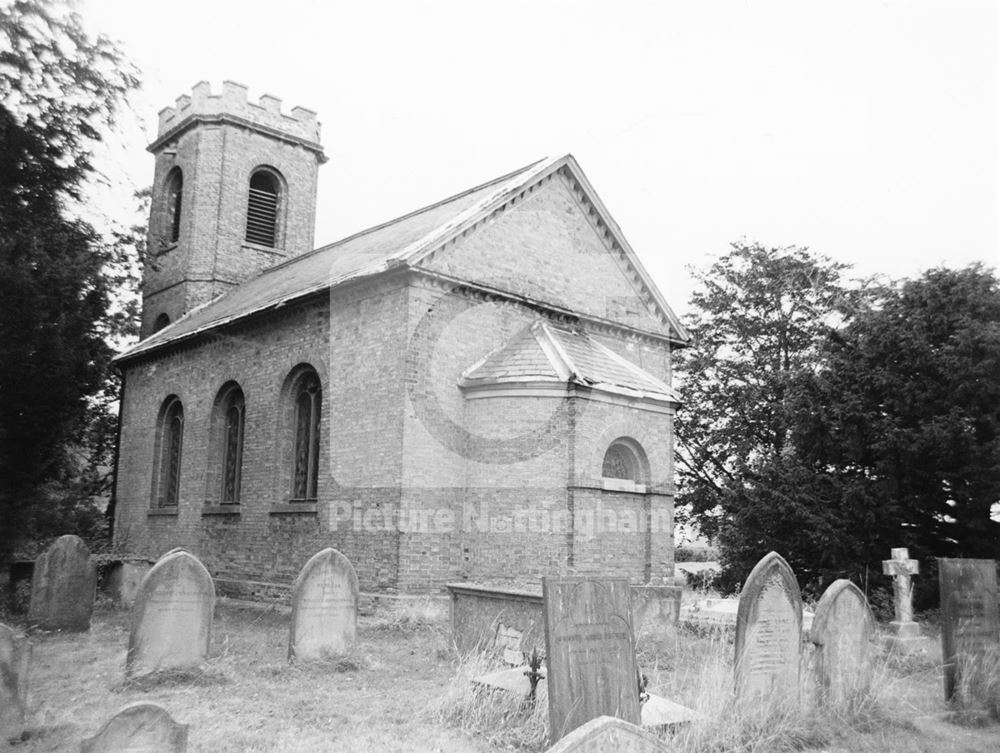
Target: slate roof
[
  {"x": 399, "y": 242},
  {"x": 547, "y": 352}
]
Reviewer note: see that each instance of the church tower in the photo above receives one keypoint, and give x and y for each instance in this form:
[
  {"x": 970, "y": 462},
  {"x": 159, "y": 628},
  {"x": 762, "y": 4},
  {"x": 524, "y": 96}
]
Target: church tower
[{"x": 234, "y": 192}]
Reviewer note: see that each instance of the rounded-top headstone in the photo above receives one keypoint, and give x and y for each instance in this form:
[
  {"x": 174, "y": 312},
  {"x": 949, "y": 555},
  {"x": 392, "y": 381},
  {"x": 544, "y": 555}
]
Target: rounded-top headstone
[
  {"x": 769, "y": 632},
  {"x": 608, "y": 733},
  {"x": 172, "y": 616},
  {"x": 324, "y": 608},
  {"x": 15, "y": 655},
  {"x": 63, "y": 586},
  {"x": 843, "y": 630},
  {"x": 139, "y": 727}
]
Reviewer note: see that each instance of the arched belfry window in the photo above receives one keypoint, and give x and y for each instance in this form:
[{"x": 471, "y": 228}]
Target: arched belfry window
[
  {"x": 625, "y": 461},
  {"x": 233, "y": 409},
  {"x": 174, "y": 195},
  {"x": 262, "y": 208},
  {"x": 161, "y": 321},
  {"x": 307, "y": 399},
  {"x": 170, "y": 437}
]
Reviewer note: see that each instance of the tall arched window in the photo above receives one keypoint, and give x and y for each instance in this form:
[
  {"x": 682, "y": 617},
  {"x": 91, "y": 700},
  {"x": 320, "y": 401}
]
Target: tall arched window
[
  {"x": 307, "y": 400},
  {"x": 262, "y": 208},
  {"x": 625, "y": 460},
  {"x": 169, "y": 440},
  {"x": 233, "y": 411},
  {"x": 174, "y": 193}
]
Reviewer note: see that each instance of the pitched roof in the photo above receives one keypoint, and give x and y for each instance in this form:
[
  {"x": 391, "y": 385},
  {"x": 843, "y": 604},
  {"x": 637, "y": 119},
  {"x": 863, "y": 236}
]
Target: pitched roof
[
  {"x": 547, "y": 352},
  {"x": 403, "y": 241}
]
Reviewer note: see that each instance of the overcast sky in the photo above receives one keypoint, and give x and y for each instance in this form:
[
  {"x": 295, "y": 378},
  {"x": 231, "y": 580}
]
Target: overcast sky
[{"x": 865, "y": 130}]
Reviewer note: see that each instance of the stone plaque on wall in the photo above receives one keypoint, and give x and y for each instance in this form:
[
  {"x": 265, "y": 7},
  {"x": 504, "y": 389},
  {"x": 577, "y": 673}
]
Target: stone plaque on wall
[
  {"x": 970, "y": 625},
  {"x": 324, "y": 608},
  {"x": 769, "y": 632},
  {"x": 590, "y": 652}
]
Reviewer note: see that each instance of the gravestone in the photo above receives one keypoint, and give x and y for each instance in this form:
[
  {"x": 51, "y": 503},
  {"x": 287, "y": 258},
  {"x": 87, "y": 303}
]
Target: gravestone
[
  {"x": 139, "y": 728},
  {"x": 605, "y": 734},
  {"x": 970, "y": 626},
  {"x": 905, "y": 632},
  {"x": 842, "y": 631},
  {"x": 324, "y": 608},
  {"x": 172, "y": 616},
  {"x": 769, "y": 632},
  {"x": 63, "y": 586},
  {"x": 15, "y": 654},
  {"x": 590, "y": 652}
]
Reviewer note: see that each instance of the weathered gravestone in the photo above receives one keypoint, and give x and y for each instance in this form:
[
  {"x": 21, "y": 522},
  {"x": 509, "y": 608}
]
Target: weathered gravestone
[
  {"x": 606, "y": 734},
  {"x": 324, "y": 608},
  {"x": 15, "y": 654},
  {"x": 769, "y": 632},
  {"x": 63, "y": 586},
  {"x": 139, "y": 728},
  {"x": 172, "y": 616},
  {"x": 843, "y": 630},
  {"x": 906, "y": 632},
  {"x": 970, "y": 627},
  {"x": 590, "y": 652}
]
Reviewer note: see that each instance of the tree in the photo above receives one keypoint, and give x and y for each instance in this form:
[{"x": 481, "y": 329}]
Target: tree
[
  {"x": 757, "y": 323},
  {"x": 59, "y": 89}
]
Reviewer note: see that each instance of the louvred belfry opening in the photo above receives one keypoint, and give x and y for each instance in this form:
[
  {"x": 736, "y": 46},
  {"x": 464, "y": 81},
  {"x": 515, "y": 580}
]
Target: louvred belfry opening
[{"x": 262, "y": 209}]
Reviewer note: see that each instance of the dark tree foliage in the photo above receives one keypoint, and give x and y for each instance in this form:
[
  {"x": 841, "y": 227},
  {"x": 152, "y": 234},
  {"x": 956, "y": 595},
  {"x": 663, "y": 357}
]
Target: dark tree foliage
[{"x": 58, "y": 89}]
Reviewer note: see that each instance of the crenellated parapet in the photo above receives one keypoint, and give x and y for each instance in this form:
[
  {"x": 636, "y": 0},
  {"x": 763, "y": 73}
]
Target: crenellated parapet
[{"x": 233, "y": 105}]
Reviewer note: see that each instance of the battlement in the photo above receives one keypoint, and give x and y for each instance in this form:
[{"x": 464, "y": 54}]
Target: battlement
[{"x": 301, "y": 123}]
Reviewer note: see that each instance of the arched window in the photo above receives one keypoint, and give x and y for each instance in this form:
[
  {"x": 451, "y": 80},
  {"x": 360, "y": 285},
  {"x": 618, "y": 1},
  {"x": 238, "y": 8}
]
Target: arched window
[
  {"x": 175, "y": 190},
  {"x": 262, "y": 208},
  {"x": 170, "y": 437},
  {"x": 233, "y": 409},
  {"x": 161, "y": 321},
  {"x": 307, "y": 399},
  {"x": 624, "y": 460}
]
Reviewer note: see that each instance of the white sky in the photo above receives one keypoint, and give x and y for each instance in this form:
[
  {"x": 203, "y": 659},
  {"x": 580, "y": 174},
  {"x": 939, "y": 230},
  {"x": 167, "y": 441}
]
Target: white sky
[{"x": 865, "y": 130}]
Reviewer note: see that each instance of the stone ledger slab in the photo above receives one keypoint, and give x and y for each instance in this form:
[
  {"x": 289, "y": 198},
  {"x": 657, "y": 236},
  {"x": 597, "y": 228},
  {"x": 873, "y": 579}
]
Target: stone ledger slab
[
  {"x": 63, "y": 587},
  {"x": 324, "y": 608},
  {"x": 769, "y": 632},
  {"x": 15, "y": 658},
  {"x": 139, "y": 728},
  {"x": 590, "y": 652},
  {"x": 843, "y": 631},
  {"x": 172, "y": 616},
  {"x": 970, "y": 625}
]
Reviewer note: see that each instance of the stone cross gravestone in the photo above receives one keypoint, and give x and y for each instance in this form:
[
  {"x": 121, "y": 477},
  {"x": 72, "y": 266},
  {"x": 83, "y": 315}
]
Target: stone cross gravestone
[
  {"x": 63, "y": 586},
  {"x": 605, "y": 734},
  {"x": 172, "y": 616},
  {"x": 139, "y": 728},
  {"x": 842, "y": 631},
  {"x": 769, "y": 632},
  {"x": 590, "y": 652},
  {"x": 906, "y": 632},
  {"x": 970, "y": 626},
  {"x": 15, "y": 655},
  {"x": 324, "y": 608}
]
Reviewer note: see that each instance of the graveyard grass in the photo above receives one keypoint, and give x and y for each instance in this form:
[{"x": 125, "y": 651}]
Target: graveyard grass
[{"x": 403, "y": 688}]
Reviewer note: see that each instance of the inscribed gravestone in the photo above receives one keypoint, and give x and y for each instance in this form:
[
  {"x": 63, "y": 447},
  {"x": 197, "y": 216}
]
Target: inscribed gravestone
[
  {"x": 769, "y": 632},
  {"x": 970, "y": 625},
  {"x": 842, "y": 631},
  {"x": 63, "y": 586},
  {"x": 605, "y": 734},
  {"x": 324, "y": 607},
  {"x": 172, "y": 616},
  {"x": 590, "y": 652},
  {"x": 139, "y": 728},
  {"x": 15, "y": 654}
]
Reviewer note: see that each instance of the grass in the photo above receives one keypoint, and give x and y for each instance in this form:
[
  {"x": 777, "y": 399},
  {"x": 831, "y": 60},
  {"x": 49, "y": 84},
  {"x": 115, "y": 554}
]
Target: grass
[{"x": 403, "y": 689}]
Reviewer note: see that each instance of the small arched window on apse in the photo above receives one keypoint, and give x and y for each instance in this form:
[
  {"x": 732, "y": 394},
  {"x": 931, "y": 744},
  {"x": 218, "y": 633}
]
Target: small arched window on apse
[
  {"x": 232, "y": 411},
  {"x": 169, "y": 446},
  {"x": 161, "y": 321},
  {"x": 625, "y": 466},
  {"x": 262, "y": 208},
  {"x": 174, "y": 196},
  {"x": 307, "y": 401}
]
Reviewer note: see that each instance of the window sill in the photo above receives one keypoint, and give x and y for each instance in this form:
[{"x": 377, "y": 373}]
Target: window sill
[
  {"x": 295, "y": 507},
  {"x": 622, "y": 485},
  {"x": 266, "y": 249},
  {"x": 166, "y": 249},
  {"x": 227, "y": 509},
  {"x": 169, "y": 512}
]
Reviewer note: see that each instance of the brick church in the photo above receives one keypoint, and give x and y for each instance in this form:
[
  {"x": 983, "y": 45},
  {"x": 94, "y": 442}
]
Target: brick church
[{"x": 477, "y": 390}]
